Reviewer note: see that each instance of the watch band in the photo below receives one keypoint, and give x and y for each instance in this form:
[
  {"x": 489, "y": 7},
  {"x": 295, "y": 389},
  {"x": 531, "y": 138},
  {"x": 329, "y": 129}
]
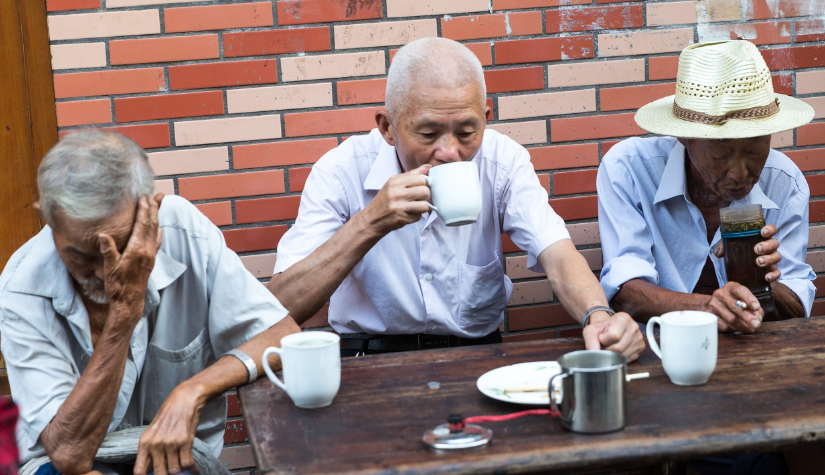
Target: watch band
[
  {"x": 247, "y": 360},
  {"x": 592, "y": 310}
]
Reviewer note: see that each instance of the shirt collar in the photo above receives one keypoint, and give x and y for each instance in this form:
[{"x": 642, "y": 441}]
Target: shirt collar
[
  {"x": 385, "y": 166},
  {"x": 674, "y": 183}
]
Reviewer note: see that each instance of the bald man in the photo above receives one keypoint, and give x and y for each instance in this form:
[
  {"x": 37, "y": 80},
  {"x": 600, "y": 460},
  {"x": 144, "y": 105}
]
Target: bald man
[{"x": 396, "y": 276}]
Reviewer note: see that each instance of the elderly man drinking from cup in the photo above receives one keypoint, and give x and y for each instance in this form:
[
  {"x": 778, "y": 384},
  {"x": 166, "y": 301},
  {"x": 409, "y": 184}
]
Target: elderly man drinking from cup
[
  {"x": 123, "y": 313},
  {"x": 660, "y": 198},
  {"x": 397, "y": 275}
]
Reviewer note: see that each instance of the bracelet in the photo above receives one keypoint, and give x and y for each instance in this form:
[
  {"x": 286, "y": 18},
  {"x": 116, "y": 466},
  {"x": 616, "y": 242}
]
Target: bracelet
[
  {"x": 592, "y": 310},
  {"x": 251, "y": 367}
]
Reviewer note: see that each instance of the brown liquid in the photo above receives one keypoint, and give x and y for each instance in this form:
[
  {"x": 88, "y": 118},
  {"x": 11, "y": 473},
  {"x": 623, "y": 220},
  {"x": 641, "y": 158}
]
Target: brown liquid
[{"x": 740, "y": 265}]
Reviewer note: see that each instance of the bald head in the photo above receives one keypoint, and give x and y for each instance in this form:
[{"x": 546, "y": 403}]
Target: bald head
[{"x": 434, "y": 63}]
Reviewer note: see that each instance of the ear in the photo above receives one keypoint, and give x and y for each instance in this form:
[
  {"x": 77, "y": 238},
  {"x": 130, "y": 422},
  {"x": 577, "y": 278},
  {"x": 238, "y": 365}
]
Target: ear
[
  {"x": 39, "y": 209},
  {"x": 488, "y": 114},
  {"x": 382, "y": 118}
]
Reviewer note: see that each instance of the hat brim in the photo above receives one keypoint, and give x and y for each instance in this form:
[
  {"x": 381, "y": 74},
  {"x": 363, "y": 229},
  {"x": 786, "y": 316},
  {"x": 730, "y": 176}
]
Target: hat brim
[{"x": 658, "y": 118}]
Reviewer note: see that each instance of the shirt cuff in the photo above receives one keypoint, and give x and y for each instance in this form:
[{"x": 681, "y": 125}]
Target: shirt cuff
[
  {"x": 624, "y": 268},
  {"x": 804, "y": 289},
  {"x": 543, "y": 242}
]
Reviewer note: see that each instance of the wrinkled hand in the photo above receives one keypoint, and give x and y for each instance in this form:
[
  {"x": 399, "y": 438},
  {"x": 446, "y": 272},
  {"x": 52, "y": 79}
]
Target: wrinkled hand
[
  {"x": 401, "y": 201},
  {"x": 767, "y": 253},
  {"x": 127, "y": 274},
  {"x": 732, "y": 318},
  {"x": 619, "y": 333},
  {"x": 166, "y": 446}
]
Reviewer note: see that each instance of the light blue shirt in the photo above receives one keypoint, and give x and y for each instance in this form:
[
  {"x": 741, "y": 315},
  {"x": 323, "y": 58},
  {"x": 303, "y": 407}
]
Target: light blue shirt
[{"x": 651, "y": 230}]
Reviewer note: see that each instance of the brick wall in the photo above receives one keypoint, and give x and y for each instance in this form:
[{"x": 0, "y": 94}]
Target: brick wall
[{"x": 236, "y": 100}]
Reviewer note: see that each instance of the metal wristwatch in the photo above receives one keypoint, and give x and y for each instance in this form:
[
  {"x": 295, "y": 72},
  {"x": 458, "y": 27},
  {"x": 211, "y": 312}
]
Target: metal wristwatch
[
  {"x": 592, "y": 310},
  {"x": 247, "y": 361}
]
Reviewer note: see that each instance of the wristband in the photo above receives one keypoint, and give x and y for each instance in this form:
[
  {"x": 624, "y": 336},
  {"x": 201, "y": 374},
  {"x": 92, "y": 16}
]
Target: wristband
[
  {"x": 592, "y": 310},
  {"x": 251, "y": 367}
]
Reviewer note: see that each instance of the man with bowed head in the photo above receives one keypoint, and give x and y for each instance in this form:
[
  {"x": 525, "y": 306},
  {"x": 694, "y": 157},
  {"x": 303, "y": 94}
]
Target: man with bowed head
[
  {"x": 396, "y": 276},
  {"x": 125, "y": 312}
]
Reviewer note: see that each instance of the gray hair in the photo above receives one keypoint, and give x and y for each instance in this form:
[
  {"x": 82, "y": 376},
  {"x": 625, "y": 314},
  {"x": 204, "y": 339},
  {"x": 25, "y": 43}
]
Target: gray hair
[
  {"x": 91, "y": 175},
  {"x": 434, "y": 62}
]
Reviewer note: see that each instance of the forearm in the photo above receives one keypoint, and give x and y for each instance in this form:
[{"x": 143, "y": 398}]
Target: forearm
[
  {"x": 306, "y": 286},
  {"x": 787, "y": 303},
  {"x": 643, "y": 300},
  {"x": 73, "y": 437},
  {"x": 571, "y": 278}
]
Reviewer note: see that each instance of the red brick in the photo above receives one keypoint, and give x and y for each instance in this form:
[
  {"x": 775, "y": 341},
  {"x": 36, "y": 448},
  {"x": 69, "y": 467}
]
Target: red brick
[
  {"x": 295, "y": 12},
  {"x": 105, "y": 83},
  {"x": 256, "y": 43},
  {"x": 819, "y": 283},
  {"x": 783, "y": 83},
  {"x": 798, "y": 57},
  {"x": 763, "y": 10},
  {"x": 276, "y": 154},
  {"x": 570, "y": 333},
  {"x": 233, "y": 185},
  {"x": 342, "y": 121},
  {"x": 517, "y": 4},
  {"x": 817, "y": 184},
  {"x": 565, "y": 156},
  {"x": 616, "y": 1},
  {"x": 633, "y": 97},
  {"x": 168, "y": 106},
  {"x": 233, "y": 405},
  {"x": 225, "y": 74},
  {"x": 267, "y": 209},
  {"x": 662, "y": 67},
  {"x": 818, "y": 308},
  {"x": 512, "y": 80},
  {"x": 528, "y": 318},
  {"x": 767, "y": 33},
  {"x": 97, "y": 111},
  {"x": 320, "y": 319},
  {"x": 64, "y": 5},
  {"x": 483, "y": 52},
  {"x": 810, "y": 134},
  {"x": 365, "y": 91},
  {"x": 568, "y": 183},
  {"x": 578, "y": 207},
  {"x": 810, "y": 30},
  {"x": 217, "y": 17},
  {"x": 147, "y": 135},
  {"x": 816, "y": 212},
  {"x": 219, "y": 213},
  {"x": 544, "y": 49},
  {"x": 544, "y": 179},
  {"x": 597, "y": 18},
  {"x": 235, "y": 432},
  {"x": 507, "y": 244},
  {"x": 254, "y": 239},
  {"x": 607, "y": 145},
  {"x": 594, "y": 127},
  {"x": 492, "y": 26},
  {"x": 159, "y": 50},
  {"x": 545, "y": 335},
  {"x": 812, "y": 159},
  {"x": 298, "y": 178}
]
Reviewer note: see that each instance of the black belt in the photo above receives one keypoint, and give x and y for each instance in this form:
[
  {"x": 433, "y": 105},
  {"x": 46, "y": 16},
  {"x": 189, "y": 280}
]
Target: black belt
[{"x": 418, "y": 341}]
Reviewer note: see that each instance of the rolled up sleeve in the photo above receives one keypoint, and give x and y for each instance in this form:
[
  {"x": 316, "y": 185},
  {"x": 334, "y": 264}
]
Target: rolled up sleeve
[
  {"x": 627, "y": 244},
  {"x": 792, "y": 233},
  {"x": 528, "y": 219}
]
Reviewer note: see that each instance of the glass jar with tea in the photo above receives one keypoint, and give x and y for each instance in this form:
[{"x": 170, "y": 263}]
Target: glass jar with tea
[{"x": 741, "y": 228}]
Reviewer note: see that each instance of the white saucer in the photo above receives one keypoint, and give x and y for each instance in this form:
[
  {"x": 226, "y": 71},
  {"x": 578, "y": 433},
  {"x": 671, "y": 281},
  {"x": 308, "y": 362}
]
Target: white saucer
[{"x": 537, "y": 373}]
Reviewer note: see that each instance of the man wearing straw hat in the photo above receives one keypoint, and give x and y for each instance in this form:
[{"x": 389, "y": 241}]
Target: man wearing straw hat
[{"x": 659, "y": 197}]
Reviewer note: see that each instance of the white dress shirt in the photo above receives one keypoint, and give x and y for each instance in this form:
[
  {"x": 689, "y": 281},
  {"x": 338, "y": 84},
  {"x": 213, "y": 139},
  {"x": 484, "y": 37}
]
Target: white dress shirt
[
  {"x": 425, "y": 277},
  {"x": 200, "y": 303},
  {"x": 651, "y": 230}
]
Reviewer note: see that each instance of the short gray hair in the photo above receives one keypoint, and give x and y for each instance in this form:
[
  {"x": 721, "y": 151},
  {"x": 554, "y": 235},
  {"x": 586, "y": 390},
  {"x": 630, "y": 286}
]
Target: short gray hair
[
  {"x": 92, "y": 174},
  {"x": 434, "y": 62}
]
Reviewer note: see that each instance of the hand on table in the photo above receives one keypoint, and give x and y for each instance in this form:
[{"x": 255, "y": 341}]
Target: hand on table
[
  {"x": 619, "y": 333},
  {"x": 401, "y": 201}
]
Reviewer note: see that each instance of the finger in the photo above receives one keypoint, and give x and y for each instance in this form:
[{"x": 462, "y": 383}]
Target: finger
[
  {"x": 159, "y": 460},
  {"x": 422, "y": 170},
  {"x": 768, "y": 231},
  {"x": 415, "y": 209},
  {"x": 722, "y": 326},
  {"x": 773, "y": 275},
  {"x": 173, "y": 460},
  {"x": 591, "y": 337},
  {"x": 766, "y": 247},
  {"x": 187, "y": 459},
  {"x": 142, "y": 460},
  {"x": 745, "y": 320},
  {"x": 109, "y": 250},
  {"x": 141, "y": 229},
  {"x": 769, "y": 260},
  {"x": 622, "y": 339},
  {"x": 153, "y": 210},
  {"x": 159, "y": 198},
  {"x": 720, "y": 250}
]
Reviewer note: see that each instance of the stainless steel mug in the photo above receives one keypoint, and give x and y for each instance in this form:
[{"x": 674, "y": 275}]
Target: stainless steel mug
[{"x": 590, "y": 391}]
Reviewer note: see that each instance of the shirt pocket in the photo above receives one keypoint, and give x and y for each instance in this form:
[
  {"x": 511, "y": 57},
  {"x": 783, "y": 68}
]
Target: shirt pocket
[
  {"x": 482, "y": 295},
  {"x": 169, "y": 368}
]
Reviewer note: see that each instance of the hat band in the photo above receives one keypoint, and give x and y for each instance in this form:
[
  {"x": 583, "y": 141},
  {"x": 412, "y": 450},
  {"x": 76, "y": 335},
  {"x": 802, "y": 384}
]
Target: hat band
[{"x": 759, "y": 112}]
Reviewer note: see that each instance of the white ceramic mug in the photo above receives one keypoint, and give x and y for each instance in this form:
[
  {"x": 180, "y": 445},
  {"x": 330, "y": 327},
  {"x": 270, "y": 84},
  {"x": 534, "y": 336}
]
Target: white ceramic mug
[
  {"x": 456, "y": 192},
  {"x": 311, "y": 366},
  {"x": 688, "y": 345}
]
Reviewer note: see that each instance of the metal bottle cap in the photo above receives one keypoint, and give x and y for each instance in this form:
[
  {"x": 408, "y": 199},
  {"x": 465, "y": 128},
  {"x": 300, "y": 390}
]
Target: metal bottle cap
[{"x": 466, "y": 436}]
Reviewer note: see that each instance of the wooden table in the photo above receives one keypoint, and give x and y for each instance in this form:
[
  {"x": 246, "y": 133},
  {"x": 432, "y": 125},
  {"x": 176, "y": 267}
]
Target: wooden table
[{"x": 768, "y": 391}]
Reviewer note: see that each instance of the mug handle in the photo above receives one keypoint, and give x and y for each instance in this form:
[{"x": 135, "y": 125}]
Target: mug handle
[
  {"x": 556, "y": 391},
  {"x": 651, "y": 340},
  {"x": 269, "y": 373},
  {"x": 430, "y": 185}
]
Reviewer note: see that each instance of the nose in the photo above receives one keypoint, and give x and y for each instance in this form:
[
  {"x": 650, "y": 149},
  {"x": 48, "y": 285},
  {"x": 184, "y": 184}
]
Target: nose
[
  {"x": 447, "y": 150},
  {"x": 738, "y": 169}
]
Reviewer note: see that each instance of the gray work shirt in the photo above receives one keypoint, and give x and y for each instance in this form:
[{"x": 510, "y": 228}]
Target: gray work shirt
[{"x": 200, "y": 303}]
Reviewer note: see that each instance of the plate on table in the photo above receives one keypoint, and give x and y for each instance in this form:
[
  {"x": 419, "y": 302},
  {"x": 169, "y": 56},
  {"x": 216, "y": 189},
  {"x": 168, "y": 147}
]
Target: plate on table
[{"x": 499, "y": 383}]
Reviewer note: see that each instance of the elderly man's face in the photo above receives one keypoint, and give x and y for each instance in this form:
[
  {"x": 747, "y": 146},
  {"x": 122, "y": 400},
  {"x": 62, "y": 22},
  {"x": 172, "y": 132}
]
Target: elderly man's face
[
  {"x": 78, "y": 248},
  {"x": 728, "y": 168},
  {"x": 441, "y": 125}
]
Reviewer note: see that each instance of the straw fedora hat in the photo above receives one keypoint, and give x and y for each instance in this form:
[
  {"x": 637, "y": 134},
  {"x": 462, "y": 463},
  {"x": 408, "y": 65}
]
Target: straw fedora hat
[{"x": 723, "y": 91}]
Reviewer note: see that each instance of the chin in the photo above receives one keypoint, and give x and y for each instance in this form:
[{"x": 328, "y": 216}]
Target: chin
[{"x": 735, "y": 195}]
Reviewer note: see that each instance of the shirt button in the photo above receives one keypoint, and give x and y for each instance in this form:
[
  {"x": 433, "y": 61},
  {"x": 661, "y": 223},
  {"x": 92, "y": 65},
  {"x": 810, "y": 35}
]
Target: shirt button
[
  {"x": 435, "y": 327},
  {"x": 428, "y": 277}
]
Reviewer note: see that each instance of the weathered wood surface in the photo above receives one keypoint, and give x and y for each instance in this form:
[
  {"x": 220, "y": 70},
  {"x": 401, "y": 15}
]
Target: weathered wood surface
[{"x": 768, "y": 391}]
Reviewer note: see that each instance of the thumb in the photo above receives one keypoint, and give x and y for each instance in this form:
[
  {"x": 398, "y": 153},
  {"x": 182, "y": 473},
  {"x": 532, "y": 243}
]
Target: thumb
[
  {"x": 720, "y": 250},
  {"x": 591, "y": 338},
  {"x": 422, "y": 170},
  {"x": 108, "y": 249}
]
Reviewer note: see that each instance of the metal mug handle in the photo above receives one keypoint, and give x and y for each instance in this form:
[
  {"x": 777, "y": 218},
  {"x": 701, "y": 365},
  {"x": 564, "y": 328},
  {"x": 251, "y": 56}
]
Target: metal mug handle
[{"x": 556, "y": 391}]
